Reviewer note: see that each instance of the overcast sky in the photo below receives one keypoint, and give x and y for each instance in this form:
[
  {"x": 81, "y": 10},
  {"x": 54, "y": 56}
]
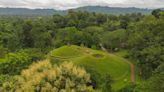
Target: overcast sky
[{"x": 67, "y": 4}]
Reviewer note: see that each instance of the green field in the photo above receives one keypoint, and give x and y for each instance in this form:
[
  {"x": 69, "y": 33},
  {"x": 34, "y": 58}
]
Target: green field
[{"x": 99, "y": 61}]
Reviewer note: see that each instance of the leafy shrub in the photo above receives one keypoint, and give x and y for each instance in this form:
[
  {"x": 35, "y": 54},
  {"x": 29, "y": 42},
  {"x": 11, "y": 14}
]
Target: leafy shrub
[
  {"x": 35, "y": 53},
  {"x": 155, "y": 83},
  {"x": 13, "y": 63},
  {"x": 94, "y": 47},
  {"x": 128, "y": 88},
  {"x": 4, "y": 78},
  {"x": 100, "y": 82},
  {"x": 107, "y": 83},
  {"x": 3, "y": 52}
]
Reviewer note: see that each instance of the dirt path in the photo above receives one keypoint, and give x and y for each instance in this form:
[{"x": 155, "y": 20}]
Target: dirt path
[{"x": 132, "y": 67}]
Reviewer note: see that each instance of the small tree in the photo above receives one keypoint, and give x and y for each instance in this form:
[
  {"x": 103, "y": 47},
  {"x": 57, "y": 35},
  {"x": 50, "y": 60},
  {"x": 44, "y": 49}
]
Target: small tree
[
  {"x": 3, "y": 52},
  {"x": 156, "y": 13}
]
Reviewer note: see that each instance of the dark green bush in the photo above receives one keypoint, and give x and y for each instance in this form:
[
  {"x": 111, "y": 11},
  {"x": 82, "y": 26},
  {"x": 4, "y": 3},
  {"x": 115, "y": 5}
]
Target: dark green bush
[{"x": 13, "y": 63}]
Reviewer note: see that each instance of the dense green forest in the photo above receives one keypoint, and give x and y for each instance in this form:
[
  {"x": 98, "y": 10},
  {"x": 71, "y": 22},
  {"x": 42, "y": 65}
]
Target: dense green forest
[{"x": 35, "y": 52}]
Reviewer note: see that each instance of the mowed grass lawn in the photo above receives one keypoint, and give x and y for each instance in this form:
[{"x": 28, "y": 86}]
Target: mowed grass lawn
[{"x": 99, "y": 61}]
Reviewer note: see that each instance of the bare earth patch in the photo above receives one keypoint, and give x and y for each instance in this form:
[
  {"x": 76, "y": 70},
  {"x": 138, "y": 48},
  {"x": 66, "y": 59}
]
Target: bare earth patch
[{"x": 98, "y": 55}]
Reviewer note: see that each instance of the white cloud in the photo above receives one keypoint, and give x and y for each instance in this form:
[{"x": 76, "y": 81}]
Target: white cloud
[{"x": 66, "y": 4}]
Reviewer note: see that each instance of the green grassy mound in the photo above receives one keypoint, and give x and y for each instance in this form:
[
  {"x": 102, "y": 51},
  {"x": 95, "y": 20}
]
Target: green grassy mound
[{"x": 101, "y": 62}]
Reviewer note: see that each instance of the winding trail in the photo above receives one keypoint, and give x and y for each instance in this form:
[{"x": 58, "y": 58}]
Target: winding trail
[{"x": 132, "y": 67}]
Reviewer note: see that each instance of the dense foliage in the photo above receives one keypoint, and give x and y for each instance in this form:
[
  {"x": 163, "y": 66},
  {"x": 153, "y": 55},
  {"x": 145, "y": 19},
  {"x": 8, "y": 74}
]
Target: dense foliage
[
  {"x": 146, "y": 44},
  {"x": 24, "y": 40},
  {"x": 13, "y": 63}
]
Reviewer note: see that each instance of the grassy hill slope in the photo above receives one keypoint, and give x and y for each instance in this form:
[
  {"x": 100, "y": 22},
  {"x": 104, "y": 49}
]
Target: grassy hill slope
[{"x": 99, "y": 61}]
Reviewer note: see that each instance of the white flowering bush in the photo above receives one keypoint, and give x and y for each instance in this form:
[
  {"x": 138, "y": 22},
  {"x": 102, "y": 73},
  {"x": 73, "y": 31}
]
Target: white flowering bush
[{"x": 45, "y": 77}]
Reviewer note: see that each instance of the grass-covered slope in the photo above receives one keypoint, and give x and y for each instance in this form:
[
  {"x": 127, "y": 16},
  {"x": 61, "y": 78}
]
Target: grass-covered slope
[{"x": 99, "y": 61}]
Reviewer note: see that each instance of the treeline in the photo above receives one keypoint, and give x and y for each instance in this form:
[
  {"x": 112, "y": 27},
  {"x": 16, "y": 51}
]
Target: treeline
[
  {"x": 141, "y": 35},
  {"x": 74, "y": 28},
  {"x": 50, "y": 12}
]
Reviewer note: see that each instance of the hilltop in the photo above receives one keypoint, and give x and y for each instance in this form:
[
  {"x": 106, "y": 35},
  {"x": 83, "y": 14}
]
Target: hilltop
[{"x": 97, "y": 61}]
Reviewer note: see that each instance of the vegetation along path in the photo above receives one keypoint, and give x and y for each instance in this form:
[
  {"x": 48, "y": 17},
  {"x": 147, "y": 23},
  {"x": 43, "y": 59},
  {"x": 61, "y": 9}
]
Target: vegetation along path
[
  {"x": 132, "y": 67},
  {"x": 132, "y": 70}
]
